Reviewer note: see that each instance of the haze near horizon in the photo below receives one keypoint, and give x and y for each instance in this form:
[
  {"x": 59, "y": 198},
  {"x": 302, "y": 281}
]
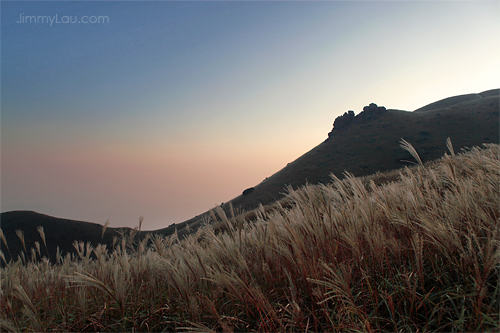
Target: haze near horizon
[{"x": 166, "y": 109}]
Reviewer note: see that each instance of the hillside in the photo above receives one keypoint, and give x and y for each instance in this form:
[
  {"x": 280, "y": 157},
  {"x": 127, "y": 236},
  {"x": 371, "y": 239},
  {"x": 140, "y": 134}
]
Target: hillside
[
  {"x": 362, "y": 148},
  {"x": 417, "y": 254},
  {"x": 370, "y": 147}
]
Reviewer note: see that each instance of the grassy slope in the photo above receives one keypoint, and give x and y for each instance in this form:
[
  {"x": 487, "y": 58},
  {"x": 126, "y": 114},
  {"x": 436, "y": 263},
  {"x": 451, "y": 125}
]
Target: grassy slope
[
  {"x": 363, "y": 149},
  {"x": 417, "y": 254}
]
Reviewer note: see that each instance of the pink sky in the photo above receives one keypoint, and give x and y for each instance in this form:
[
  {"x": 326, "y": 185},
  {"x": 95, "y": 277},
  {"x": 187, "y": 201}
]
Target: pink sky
[{"x": 171, "y": 108}]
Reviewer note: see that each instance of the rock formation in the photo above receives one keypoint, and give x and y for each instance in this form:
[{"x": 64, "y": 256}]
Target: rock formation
[{"x": 346, "y": 120}]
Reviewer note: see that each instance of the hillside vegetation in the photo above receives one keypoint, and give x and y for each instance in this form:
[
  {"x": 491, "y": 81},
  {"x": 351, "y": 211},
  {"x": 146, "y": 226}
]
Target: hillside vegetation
[
  {"x": 371, "y": 145},
  {"x": 418, "y": 252}
]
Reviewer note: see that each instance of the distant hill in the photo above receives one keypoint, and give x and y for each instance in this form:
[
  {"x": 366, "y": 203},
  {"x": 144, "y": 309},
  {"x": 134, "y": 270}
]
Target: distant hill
[
  {"x": 58, "y": 232},
  {"x": 365, "y": 144}
]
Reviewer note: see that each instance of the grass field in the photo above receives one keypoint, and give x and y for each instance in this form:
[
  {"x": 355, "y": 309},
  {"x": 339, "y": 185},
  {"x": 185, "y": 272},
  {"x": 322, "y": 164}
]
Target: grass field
[{"x": 416, "y": 249}]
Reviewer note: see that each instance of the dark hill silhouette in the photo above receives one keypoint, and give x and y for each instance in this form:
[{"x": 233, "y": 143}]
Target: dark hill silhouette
[
  {"x": 58, "y": 232},
  {"x": 362, "y": 148}
]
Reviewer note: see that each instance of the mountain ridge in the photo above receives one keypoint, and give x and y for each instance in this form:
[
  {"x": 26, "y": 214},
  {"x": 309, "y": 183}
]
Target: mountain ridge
[
  {"x": 362, "y": 148},
  {"x": 426, "y": 131}
]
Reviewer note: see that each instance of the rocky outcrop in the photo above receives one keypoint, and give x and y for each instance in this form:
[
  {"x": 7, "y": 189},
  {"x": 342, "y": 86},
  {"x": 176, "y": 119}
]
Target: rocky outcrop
[
  {"x": 248, "y": 191},
  {"x": 370, "y": 112},
  {"x": 346, "y": 120}
]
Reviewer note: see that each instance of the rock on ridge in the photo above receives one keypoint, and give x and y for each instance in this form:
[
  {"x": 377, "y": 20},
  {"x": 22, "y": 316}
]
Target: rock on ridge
[{"x": 348, "y": 118}]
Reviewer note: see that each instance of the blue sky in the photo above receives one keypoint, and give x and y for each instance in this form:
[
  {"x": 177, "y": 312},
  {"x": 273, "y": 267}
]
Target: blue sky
[{"x": 169, "y": 108}]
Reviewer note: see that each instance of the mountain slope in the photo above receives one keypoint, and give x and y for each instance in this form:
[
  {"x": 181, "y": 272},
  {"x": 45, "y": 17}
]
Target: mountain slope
[
  {"x": 362, "y": 148},
  {"x": 373, "y": 146}
]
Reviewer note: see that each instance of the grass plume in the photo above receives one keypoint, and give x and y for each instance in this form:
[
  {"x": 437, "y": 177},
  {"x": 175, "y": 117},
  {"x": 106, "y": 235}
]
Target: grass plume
[{"x": 416, "y": 249}]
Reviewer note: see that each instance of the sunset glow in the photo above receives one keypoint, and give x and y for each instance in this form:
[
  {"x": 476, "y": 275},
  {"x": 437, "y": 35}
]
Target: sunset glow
[{"x": 170, "y": 108}]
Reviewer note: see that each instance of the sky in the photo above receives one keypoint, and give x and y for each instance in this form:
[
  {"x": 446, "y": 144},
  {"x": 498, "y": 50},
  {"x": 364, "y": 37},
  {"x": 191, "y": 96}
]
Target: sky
[{"x": 166, "y": 109}]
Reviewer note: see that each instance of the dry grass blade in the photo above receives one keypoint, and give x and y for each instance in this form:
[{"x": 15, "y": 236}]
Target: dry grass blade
[
  {"x": 450, "y": 147},
  {"x": 29, "y": 308},
  {"x": 4, "y": 240},
  {"x": 141, "y": 219},
  {"x": 409, "y": 148},
  {"x": 2, "y": 256},
  {"x": 7, "y": 326},
  {"x": 197, "y": 328},
  {"x": 89, "y": 280},
  {"x": 339, "y": 285},
  {"x": 20, "y": 234},
  {"x": 37, "y": 245},
  {"x": 42, "y": 235},
  {"x": 105, "y": 226},
  {"x": 2, "y": 236}
]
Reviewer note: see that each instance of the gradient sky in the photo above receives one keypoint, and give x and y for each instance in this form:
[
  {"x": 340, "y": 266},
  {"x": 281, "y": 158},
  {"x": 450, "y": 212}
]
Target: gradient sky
[{"x": 171, "y": 108}]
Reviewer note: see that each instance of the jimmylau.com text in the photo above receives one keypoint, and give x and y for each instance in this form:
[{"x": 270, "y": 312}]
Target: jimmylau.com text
[{"x": 51, "y": 19}]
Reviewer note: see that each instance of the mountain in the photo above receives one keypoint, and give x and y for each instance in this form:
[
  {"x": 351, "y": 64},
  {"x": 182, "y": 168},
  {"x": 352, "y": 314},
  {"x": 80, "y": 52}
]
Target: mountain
[
  {"x": 361, "y": 144},
  {"x": 371, "y": 145}
]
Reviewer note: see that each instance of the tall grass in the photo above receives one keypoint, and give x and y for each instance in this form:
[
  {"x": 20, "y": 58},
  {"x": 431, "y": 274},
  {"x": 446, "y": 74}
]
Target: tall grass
[{"x": 417, "y": 253}]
